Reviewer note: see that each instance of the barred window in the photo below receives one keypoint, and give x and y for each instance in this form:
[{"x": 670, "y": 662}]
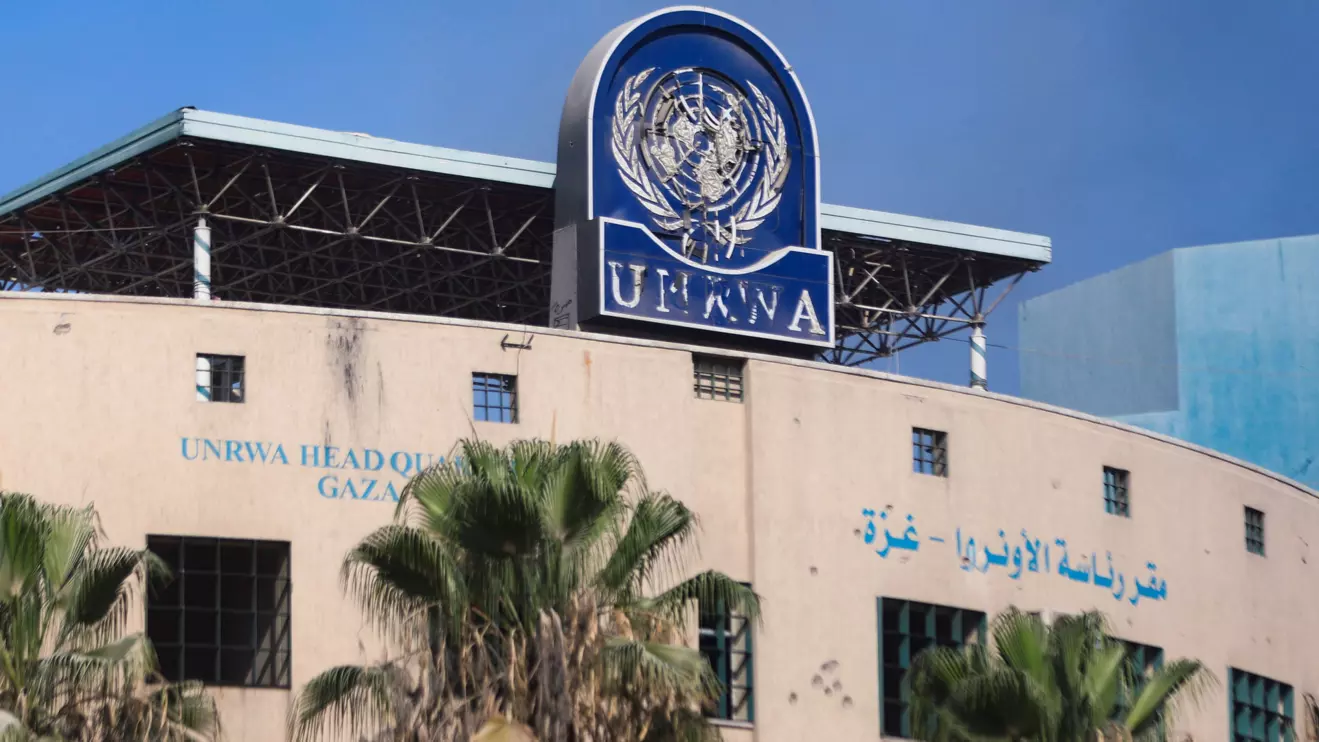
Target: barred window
[
  {"x": 1117, "y": 491},
  {"x": 1261, "y": 709},
  {"x": 1142, "y": 661},
  {"x": 1255, "y": 531},
  {"x": 718, "y": 378},
  {"x": 495, "y": 398},
  {"x": 907, "y": 628},
  {"x": 725, "y": 642},
  {"x": 224, "y": 618},
  {"x": 929, "y": 452},
  {"x": 220, "y": 378}
]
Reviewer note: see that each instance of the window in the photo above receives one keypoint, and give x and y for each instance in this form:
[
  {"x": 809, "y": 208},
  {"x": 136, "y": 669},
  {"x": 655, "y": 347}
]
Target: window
[
  {"x": 224, "y": 618},
  {"x": 906, "y": 628},
  {"x": 495, "y": 398},
  {"x": 1261, "y": 709},
  {"x": 718, "y": 378},
  {"x": 1117, "y": 491},
  {"x": 1141, "y": 663},
  {"x": 725, "y": 641},
  {"x": 929, "y": 452},
  {"x": 219, "y": 378},
  {"x": 1255, "y": 531}
]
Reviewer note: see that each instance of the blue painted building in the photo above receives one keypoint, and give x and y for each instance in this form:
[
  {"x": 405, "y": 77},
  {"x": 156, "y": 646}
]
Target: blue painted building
[{"x": 1217, "y": 345}]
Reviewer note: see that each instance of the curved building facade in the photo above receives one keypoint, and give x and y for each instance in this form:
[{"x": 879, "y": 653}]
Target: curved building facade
[{"x": 875, "y": 514}]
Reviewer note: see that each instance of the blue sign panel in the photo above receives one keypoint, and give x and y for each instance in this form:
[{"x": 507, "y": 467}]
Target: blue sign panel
[{"x": 688, "y": 186}]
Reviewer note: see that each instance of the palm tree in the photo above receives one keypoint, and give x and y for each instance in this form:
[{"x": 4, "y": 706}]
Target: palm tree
[
  {"x": 1068, "y": 682},
  {"x": 536, "y": 583},
  {"x": 67, "y": 669}
]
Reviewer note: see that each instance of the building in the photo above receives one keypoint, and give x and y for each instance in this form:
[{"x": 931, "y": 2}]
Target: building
[
  {"x": 249, "y": 335},
  {"x": 1171, "y": 344}
]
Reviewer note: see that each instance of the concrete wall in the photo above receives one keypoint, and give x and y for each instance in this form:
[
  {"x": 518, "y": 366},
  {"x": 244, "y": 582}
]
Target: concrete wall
[
  {"x": 1248, "y": 338},
  {"x": 99, "y": 396},
  {"x": 1106, "y": 345},
  {"x": 1218, "y": 345}
]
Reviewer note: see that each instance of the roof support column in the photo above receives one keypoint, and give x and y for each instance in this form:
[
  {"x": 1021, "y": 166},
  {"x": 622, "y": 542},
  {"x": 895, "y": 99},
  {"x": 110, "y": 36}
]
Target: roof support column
[
  {"x": 979, "y": 379},
  {"x": 201, "y": 261}
]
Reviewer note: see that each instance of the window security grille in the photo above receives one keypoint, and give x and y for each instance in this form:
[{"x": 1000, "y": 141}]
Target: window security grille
[
  {"x": 220, "y": 378},
  {"x": 495, "y": 398},
  {"x": 1117, "y": 491},
  {"x": 717, "y": 378},
  {"x": 725, "y": 641},
  {"x": 1255, "y": 531},
  {"x": 929, "y": 452},
  {"x": 224, "y": 618},
  {"x": 906, "y": 628},
  {"x": 1261, "y": 709}
]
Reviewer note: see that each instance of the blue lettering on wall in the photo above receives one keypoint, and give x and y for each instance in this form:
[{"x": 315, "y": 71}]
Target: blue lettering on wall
[
  {"x": 1030, "y": 555},
  {"x": 403, "y": 464}
]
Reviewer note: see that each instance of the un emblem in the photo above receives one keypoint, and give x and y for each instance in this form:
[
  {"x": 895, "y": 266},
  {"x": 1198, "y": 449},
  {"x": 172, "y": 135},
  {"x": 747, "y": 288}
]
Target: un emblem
[
  {"x": 686, "y": 195},
  {"x": 705, "y": 157}
]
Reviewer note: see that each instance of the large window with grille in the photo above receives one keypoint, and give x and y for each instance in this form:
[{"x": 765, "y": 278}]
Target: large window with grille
[
  {"x": 1141, "y": 663},
  {"x": 717, "y": 378},
  {"x": 906, "y": 628},
  {"x": 1261, "y": 709},
  {"x": 224, "y": 618},
  {"x": 1255, "y": 531},
  {"x": 725, "y": 642},
  {"x": 220, "y": 378},
  {"x": 1117, "y": 491},
  {"x": 929, "y": 452},
  {"x": 495, "y": 398}
]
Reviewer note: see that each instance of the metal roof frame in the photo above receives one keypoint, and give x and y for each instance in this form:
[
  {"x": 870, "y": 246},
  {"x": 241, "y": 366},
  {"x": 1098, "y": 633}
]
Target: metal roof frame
[{"x": 467, "y": 234}]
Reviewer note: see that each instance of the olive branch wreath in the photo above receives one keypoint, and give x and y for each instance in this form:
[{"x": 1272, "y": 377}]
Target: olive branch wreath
[
  {"x": 763, "y": 201},
  {"x": 626, "y": 153}
]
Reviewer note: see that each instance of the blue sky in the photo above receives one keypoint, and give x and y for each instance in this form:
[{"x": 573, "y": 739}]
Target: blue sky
[{"x": 1119, "y": 128}]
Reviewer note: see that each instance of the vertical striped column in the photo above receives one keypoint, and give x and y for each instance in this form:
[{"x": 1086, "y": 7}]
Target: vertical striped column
[
  {"x": 979, "y": 379},
  {"x": 203, "y": 379},
  {"x": 201, "y": 261}
]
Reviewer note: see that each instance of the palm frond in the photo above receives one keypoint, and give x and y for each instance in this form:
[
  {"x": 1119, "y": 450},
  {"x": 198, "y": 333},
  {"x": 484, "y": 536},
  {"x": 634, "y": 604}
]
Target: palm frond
[
  {"x": 345, "y": 700},
  {"x": 397, "y": 571},
  {"x": 658, "y": 529},
  {"x": 1179, "y": 681},
  {"x": 711, "y": 589},
  {"x": 656, "y": 668}
]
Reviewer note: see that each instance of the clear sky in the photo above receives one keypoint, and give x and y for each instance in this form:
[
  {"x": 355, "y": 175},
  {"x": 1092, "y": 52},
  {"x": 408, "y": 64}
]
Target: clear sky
[{"x": 1119, "y": 128}]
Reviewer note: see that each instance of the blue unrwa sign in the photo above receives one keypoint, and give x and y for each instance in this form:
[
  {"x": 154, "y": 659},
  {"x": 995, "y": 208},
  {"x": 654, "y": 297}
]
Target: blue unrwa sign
[{"x": 687, "y": 192}]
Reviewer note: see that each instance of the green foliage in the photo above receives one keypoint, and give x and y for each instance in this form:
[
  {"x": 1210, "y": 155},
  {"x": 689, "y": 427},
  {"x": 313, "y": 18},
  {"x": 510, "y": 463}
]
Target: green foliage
[
  {"x": 541, "y": 583},
  {"x": 1059, "y": 683},
  {"x": 68, "y": 671}
]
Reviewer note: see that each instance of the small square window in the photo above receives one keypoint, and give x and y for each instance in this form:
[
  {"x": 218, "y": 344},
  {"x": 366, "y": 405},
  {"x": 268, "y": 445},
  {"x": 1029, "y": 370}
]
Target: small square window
[
  {"x": 1117, "y": 492},
  {"x": 929, "y": 452},
  {"x": 220, "y": 378},
  {"x": 717, "y": 378},
  {"x": 1255, "y": 531},
  {"x": 495, "y": 398},
  {"x": 224, "y": 618},
  {"x": 725, "y": 642}
]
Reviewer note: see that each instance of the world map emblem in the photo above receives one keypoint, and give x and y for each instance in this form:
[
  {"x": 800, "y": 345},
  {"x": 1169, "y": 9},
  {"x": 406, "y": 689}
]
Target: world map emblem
[{"x": 704, "y": 156}]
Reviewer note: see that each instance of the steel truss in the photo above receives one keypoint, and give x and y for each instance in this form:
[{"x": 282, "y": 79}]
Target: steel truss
[
  {"x": 892, "y": 295},
  {"x": 296, "y": 229}
]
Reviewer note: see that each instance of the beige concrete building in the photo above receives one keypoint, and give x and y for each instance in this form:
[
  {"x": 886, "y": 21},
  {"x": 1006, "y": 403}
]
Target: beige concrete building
[
  {"x": 240, "y": 338},
  {"x": 874, "y": 513}
]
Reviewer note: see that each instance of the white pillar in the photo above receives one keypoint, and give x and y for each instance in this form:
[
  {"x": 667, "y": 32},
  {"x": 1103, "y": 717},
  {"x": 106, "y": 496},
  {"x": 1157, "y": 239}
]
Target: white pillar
[
  {"x": 201, "y": 262},
  {"x": 979, "y": 380},
  {"x": 203, "y": 379}
]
